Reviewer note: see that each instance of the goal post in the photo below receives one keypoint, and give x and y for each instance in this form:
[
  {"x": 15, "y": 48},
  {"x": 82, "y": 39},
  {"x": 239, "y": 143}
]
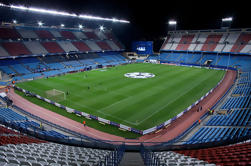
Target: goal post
[{"x": 55, "y": 95}]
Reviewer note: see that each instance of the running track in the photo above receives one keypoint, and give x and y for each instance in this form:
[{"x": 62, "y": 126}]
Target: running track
[{"x": 170, "y": 132}]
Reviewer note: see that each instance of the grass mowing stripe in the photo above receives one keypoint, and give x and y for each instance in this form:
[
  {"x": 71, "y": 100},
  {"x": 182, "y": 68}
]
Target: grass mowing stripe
[
  {"x": 101, "y": 98},
  {"x": 182, "y": 102},
  {"x": 163, "y": 99},
  {"x": 160, "y": 101},
  {"x": 108, "y": 128},
  {"x": 138, "y": 90},
  {"x": 139, "y": 103},
  {"x": 145, "y": 91}
]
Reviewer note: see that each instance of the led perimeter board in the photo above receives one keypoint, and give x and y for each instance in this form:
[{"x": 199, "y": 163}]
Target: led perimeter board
[{"x": 142, "y": 47}]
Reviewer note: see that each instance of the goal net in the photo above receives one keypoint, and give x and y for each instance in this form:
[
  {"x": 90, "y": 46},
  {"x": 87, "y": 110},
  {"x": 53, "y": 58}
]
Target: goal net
[{"x": 55, "y": 95}]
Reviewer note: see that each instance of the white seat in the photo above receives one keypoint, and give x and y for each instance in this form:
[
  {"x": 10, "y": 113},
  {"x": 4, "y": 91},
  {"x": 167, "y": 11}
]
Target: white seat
[
  {"x": 40, "y": 160},
  {"x": 51, "y": 161},
  {"x": 13, "y": 161},
  {"x": 2, "y": 154},
  {"x": 2, "y": 148},
  {"x": 30, "y": 159},
  {"x": 25, "y": 163},
  {"x": 64, "y": 162},
  {"x": 36, "y": 164},
  {"x": 55, "y": 164},
  {"x": 72, "y": 164},
  {"x": 3, "y": 160}
]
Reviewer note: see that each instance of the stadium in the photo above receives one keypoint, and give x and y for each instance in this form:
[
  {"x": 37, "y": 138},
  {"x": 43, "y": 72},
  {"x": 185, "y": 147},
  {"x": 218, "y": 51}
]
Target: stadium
[{"x": 87, "y": 90}]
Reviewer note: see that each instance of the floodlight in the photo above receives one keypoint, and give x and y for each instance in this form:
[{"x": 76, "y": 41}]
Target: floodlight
[
  {"x": 62, "y": 25},
  {"x": 172, "y": 22},
  {"x": 227, "y": 19},
  {"x": 80, "y": 26},
  {"x": 18, "y": 7},
  {"x": 14, "y": 21},
  {"x": 101, "y": 28},
  {"x": 40, "y": 23},
  {"x": 84, "y": 16},
  {"x": 54, "y": 12}
]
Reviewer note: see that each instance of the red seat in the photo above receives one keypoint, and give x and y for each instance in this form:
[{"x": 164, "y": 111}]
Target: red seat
[
  {"x": 16, "y": 48},
  {"x": 226, "y": 155}
]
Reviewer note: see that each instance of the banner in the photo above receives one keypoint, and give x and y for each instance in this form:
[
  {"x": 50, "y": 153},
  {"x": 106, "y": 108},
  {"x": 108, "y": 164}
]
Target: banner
[
  {"x": 125, "y": 127},
  {"x": 103, "y": 120},
  {"x": 149, "y": 130},
  {"x": 70, "y": 110}
]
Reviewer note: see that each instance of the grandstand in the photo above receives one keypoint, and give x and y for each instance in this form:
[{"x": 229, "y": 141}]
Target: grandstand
[
  {"x": 70, "y": 42},
  {"x": 218, "y": 134},
  {"x": 238, "y": 154},
  {"x": 209, "y": 40},
  {"x": 42, "y": 43}
]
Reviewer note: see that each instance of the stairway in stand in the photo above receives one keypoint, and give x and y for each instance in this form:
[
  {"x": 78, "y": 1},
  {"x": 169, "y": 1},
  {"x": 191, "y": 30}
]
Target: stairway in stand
[{"x": 131, "y": 159}]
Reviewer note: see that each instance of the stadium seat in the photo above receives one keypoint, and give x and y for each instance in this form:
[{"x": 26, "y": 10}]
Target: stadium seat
[
  {"x": 81, "y": 46},
  {"x": 103, "y": 45},
  {"x": 43, "y": 34},
  {"x": 9, "y": 33},
  {"x": 223, "y": 155},
  {"x": 16, "y": 48},
  {"x": 67, "y": 35},
  {"x": 52, "y": 47},
  {"x": 91, "y": 35}
]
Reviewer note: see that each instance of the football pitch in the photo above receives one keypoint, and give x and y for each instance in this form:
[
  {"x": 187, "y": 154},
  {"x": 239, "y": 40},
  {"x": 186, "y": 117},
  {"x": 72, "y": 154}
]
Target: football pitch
[{"x": 138, "y": 103}]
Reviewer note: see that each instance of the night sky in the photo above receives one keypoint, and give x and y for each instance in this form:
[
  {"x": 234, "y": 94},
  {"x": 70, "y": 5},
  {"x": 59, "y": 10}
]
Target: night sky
[{"x": 149, "y": 17}]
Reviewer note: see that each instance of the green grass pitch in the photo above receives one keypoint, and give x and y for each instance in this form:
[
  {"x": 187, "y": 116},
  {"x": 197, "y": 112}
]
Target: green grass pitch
[{"x": 138, "y": 103}]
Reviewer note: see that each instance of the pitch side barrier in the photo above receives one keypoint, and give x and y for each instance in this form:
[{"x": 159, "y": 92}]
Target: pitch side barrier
[
  {"x": 128, "y": 128},
  {"x": 76, "y": 140},
  {"x": 195, "y": 124},
  {"x": 132, "y": 146},
  {"x": 79, "y": 113},
  {"x": 180, "y": 114},
  {"x": 135, "y": 146}
]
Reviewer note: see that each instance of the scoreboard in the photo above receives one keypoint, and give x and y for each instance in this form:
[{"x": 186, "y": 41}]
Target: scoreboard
[{"x": 143, "y": 47}]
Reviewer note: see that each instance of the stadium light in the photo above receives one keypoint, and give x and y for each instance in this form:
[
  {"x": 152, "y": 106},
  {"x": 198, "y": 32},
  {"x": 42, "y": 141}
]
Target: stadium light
[
  {"x": 172, "y": 22},
  {"x": 80, "y": 26},
  {"x": 228, "y": 19},
  {"x": 41, "y": 10},
  {"x": 62, "y": 25},
  {"x": 40, "y": 23},
  {"x": 54, "y": 12},
  {"x": 226, "y": 22},
  {"x": 14, "y": 21},
  {"x": 101, "y": 28},
  {"x": 102, "y": 18}
]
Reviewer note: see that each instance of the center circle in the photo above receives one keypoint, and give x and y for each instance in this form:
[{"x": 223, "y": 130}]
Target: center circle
[{"x": 139, "y": 75}]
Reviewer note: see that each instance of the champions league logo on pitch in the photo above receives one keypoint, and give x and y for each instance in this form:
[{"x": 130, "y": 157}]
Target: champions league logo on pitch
[{"x": 139, "y": 75}]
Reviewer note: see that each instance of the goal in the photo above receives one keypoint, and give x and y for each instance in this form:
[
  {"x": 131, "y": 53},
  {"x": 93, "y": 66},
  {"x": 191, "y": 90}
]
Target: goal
[{"x": 55, "y": 95}]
